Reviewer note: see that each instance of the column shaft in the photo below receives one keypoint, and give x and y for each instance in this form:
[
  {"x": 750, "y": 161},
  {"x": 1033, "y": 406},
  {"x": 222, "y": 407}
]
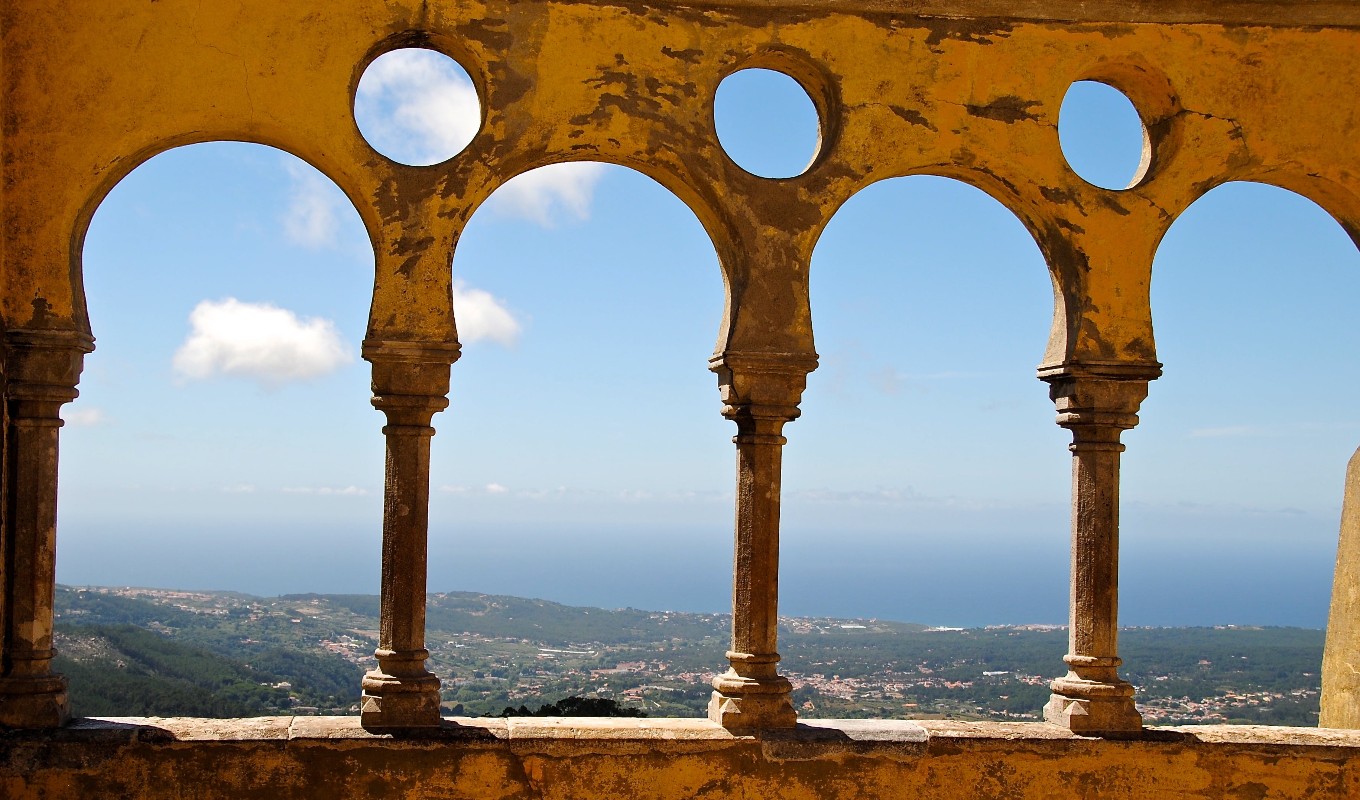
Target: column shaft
[
  {"x": 755, "y": 586},
  {"x": 1094, "y": 610}
]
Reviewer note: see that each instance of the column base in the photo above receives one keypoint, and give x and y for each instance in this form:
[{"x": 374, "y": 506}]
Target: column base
[
  {"x": 33, "y": 702},
  {"x": 1092, "y": 708},
  {"x": 740, "y": 703},
  {"x": 399, "y": 702}
]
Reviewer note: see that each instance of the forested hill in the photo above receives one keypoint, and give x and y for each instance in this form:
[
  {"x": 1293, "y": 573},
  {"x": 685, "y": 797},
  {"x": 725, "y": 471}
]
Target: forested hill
[{"x": 164, "y": 652}]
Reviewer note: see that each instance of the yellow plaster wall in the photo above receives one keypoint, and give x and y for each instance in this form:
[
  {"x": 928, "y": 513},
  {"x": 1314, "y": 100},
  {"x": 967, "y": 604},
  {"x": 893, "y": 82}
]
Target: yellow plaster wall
[
  {"x": 319, "y": 757},
  {"x": 972, "y": 98}
]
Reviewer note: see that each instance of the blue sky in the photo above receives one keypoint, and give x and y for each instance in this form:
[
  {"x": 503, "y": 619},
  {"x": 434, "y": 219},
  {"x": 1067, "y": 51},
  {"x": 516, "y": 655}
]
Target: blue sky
[{"x": 224, "y": 437}]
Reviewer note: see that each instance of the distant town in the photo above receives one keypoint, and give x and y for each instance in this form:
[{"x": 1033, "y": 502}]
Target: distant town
[{"x": 225, "y": 654}]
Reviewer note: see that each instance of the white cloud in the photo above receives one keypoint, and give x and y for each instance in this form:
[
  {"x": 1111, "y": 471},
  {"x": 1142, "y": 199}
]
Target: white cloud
[
  {"x": 481, "y": 316},
  {"x": 496, "y": 488},
  {"x": 415, "y": 106},
  {"x": 239, "y": 488},
  {"x": 540, "y": 195},
  {"x": 83, "y": 417},
  {"x": 347, "y": 491},
  {"x": 258, "y": 341},
  {"x": 315, "y": 204}
]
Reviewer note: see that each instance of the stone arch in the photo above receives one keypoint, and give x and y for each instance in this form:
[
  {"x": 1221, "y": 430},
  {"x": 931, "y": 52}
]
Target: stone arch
[
  {"x": 1340, "y": 202},
  {"x": 238, "y": 264},
  {"x": 715, "y": 223},
  {"x": 1207, "y": 343},
  {"x": 1042, "y": 228},
  {"x": 524, "y": 396},
  {"x": 125, "y": 167},
  {"x": 886, "y": 405}
]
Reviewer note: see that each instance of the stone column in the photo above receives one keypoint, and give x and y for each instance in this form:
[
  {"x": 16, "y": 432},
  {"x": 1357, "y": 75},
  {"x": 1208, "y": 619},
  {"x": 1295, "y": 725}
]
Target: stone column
[
  {"x": 43, "y": 369},
  {"x": 410, "y": 384},
  {"x": 760, "y": 393},
  {"x": 1341, "y": 656},
  {"x": 1092, "y": 698}
]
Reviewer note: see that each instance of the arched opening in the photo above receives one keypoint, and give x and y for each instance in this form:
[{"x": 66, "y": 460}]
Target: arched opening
[
  {"x": 925, "y": 481},
  {"x": 1232, "y": 482},
  {"x": 223, "y": 439},
  {"x": 582, "y": 459}
]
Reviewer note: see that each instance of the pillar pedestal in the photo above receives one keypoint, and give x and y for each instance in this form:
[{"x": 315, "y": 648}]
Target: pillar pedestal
[{"x": 752, "y": 701}]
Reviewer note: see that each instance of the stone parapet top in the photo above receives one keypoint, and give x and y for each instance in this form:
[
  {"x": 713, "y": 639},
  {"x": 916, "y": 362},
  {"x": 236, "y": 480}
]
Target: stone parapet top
[
  {"x": 546, "y": 758},
  {"x": 580, "y": 729}
]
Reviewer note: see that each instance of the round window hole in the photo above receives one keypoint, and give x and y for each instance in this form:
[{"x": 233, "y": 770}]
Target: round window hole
[
  {"x": 766, "y": 123},
  {"x": 1102, "y": 136},
  {"x": 417, "y": 107}
]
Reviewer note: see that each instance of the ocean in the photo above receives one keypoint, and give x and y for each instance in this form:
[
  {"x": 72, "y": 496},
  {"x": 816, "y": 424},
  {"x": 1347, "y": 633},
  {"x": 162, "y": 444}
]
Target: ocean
[{"x": 955, "y": 578}]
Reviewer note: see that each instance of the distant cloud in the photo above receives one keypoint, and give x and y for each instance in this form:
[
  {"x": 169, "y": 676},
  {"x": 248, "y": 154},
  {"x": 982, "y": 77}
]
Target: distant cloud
[
  {"x": 481, "y": 316},
  {"x": 874, "y": 496},
  {"x": 1226, "y": 432},
  {"x": 490, "y": 488},
  {"x": 892, "y": 497},
  {"x": 415, "y": 106},
  {"x": 542, "y": 195},
  {"x": 591, "y": 496},
  {"x": 315, "y": 205},
  {"x": 83, "y": 417},
  {"x": 348, "y": 491},
  {"x": 258, "y": 341},
  {"x": 890, "y": 380},
  {"x": 239, "y": 488}
]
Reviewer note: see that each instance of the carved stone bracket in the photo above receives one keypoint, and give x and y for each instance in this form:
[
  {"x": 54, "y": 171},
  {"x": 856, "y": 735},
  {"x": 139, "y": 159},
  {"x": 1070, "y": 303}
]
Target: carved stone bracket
[
  {"x": 43, "y": 369},
  {"x": 410, "y": 385},
  {"x": 1097, "y": 406},
  {"x": 760, "y": 393}
]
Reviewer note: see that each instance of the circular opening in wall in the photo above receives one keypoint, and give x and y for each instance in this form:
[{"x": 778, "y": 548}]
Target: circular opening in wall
[
  {"x": 766, "y": 123},
  {"x": 1103, "y": 137},
  {"x": 417, "y": 107}
]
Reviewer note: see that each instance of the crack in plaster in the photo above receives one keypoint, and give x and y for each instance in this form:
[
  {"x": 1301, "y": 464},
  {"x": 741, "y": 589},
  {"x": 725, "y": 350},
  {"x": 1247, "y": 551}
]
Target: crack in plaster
[{"x": 245, "y": 68}]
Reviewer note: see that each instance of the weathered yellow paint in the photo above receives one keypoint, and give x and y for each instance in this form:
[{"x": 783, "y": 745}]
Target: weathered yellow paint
[
  {"x": 669, "y": 760},
  {"x": 975, "y": 99}
]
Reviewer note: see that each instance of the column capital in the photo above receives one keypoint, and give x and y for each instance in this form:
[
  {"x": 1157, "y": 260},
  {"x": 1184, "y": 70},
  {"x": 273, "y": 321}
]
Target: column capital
[
  {"x": 762, "y": 386},
  {"x": 1098, "y": 403},
  {"x": 410, "y": 379},
  {"x": 43, "y": 368}
]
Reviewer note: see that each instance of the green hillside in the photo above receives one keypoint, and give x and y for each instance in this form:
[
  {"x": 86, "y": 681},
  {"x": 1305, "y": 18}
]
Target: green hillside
[{"x": 163, "y": 652}]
